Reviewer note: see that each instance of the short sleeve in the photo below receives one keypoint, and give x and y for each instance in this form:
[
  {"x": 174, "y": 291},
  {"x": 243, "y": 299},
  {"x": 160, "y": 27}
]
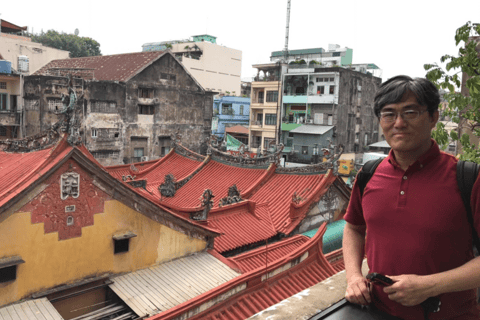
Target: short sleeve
[{"x": 354, "y": 213}]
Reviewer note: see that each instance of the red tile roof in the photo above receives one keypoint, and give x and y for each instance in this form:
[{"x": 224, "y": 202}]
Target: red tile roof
[
  {"x": 217, "y": 177},
  {"x": 9, "y": 25},
  {"x": 278, "y": 192},
  {"x": 241, "y": 224},
  {"x": 260, "y": 292},
  {"x": 155, "y": 171},
  {"x": 262, "y": 256},
  {"x": 237, "y": 129},
  {"x": 19, "y": 170},
  {"x": 118, "y": 67}
]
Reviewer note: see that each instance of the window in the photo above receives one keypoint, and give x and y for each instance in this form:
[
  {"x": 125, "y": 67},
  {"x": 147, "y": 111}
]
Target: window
[
  {"x": 260, "y": 97},
  {"x": 336, "y": 54},
  {"x": 227, "y": 109},
  {"x": 70, "y": 221},
  {"x": 145, "y": 93},
  {"x": 173, "y": 77},
  {"x": 318, "y": 118},
  {"x": 3, "y": 101},
  {"x": 121, "y": 245},
  {"x": 319, "y": 79},
  {"x": 270, "y": 119},
  {"x": 55, "y": 104},
  {"x": 332, "y": 79},
  {"x": 272, "y": 96},
  {"x": 104, "y": 106},
  {"x": 94, "y": 133},
  {"x": 13, "y": 102},
  {"x": 290, "y": 134},
  {"x": 241, "y": 110},
  {"x": 143, "y": 109},
  {"x": 164, "y": 76},
  {"x": 3, "y": 131},
  {"x": 3, "y": 85},
  {"x": 330, "y": 120},
  {"x": 8, "y": 268},
  {"x": 320, "y": 89},
  {"x": 305, "y": 150},
  {"x": 259, "y": 119},
  {"x": 332, "y": 89},
  {"x": 137, "y": 154}
]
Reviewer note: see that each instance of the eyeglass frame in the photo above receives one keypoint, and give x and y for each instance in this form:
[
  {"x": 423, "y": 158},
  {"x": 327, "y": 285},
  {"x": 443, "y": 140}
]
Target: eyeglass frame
[{"x": 402, "y": 115}]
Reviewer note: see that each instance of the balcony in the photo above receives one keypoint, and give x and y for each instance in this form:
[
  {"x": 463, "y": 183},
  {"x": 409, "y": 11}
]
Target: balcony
[
  {"x": 256, "y": 124},
  {"x": 267, "y": 78}
]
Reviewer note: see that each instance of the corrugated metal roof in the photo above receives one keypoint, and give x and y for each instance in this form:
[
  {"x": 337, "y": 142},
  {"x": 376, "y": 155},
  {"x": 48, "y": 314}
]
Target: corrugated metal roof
[
  {"x": 118, "y": 67},
  {"x": 159, "y": 288},
  {"x": 262, "y": 256},
  {"x": 38, "y": 309},
  {"x": 332, "y": 240},
  {"x": 312, "y": 129}
]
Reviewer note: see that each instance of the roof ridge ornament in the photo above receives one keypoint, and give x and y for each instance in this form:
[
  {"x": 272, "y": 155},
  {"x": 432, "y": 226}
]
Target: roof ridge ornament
[
  {"x": 206, "y": 204},
  {"x": 261, "y": 159},
  {"x": 331, "y": 153}
]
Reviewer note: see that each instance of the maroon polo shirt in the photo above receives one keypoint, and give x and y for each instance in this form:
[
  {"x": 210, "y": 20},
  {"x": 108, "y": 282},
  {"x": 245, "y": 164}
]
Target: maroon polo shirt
[{"x": 416, "y": 224}]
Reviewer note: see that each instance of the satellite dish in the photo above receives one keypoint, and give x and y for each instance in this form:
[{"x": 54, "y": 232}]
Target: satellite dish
[{"x": 77, "y": 32}]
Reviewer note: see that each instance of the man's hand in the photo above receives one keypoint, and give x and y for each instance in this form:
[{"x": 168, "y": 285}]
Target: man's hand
[
  {"x": 358, "y": 291},
  {"x": 409, "y": 290}
]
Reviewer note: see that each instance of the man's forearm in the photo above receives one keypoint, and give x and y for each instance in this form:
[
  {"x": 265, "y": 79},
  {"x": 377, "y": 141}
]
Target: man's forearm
[
  {"x": 465, "y": 277},
  {"x": 353, "y": 250}
]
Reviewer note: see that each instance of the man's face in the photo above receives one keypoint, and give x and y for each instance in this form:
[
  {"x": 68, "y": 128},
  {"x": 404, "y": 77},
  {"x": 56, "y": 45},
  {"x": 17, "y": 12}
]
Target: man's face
[{"x": 409, "y": 136}]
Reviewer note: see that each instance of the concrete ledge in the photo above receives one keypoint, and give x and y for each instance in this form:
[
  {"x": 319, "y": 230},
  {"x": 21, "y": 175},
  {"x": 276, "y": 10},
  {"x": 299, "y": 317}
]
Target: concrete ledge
[{"x": 311, "y": 301}]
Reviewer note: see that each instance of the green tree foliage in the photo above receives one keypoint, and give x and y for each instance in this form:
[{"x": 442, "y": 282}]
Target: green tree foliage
[
  {"x": 464, "y": 110},
  {"x": 77, "y": 46}
]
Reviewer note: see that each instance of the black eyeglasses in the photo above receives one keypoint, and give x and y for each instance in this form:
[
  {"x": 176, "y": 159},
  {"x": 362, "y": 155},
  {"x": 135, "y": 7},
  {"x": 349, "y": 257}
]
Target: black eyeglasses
[{"x": 407, "y": 115}]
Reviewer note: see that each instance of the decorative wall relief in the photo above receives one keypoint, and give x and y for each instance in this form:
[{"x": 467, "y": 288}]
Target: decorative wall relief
[{"x": 68, "y": 213}]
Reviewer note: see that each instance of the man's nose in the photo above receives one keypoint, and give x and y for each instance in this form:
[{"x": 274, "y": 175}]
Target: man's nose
[{"x": 399, "y": 122}]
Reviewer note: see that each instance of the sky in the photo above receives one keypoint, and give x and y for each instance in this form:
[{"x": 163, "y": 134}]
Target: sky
[{"x": 397, "y": 36}]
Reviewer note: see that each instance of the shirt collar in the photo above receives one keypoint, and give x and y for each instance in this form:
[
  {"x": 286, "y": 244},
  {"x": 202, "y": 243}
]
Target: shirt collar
[{"x": 422, "y": 161}]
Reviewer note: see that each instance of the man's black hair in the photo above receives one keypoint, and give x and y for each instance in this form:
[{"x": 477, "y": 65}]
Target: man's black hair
[{"x": 393, "y": 91}]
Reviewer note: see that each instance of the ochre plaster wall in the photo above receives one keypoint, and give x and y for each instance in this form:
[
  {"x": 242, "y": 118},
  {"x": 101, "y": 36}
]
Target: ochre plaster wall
[{"x": 51, "y": 262}]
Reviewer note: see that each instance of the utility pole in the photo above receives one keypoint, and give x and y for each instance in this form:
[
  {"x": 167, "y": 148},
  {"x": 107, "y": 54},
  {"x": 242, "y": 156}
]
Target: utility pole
[{"x": 285, "y": 50}]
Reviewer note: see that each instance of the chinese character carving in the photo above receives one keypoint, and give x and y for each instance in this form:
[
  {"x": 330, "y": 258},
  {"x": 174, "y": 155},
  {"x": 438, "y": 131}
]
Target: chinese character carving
[{"x": 69, "y": 185}]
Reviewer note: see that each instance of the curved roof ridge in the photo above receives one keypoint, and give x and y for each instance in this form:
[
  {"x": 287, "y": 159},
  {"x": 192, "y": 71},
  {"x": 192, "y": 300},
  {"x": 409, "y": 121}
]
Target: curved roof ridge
[
  {"x": 181, "y": 182},
  {"x": 157, "y": 163},
  {"x": 260, "y": 181},
  {"x": 318, "y": 188}
]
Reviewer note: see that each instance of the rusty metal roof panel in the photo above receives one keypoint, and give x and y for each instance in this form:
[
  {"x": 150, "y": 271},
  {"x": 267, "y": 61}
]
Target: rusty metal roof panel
[
  {"x": 118, "y": 67},
  {"x": 38, "y": 309},
  {"x": 159, "y": 288}
]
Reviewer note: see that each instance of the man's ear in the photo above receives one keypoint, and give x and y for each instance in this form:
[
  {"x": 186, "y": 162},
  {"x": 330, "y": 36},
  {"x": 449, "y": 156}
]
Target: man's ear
[{"x": 434, "y": 118}]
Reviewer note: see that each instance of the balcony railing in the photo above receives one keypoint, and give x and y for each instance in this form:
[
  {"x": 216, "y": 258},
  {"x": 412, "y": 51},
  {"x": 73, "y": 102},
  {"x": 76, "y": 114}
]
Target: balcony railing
[
  {"x": 255, "y": 145},
  {"x": 267, "y": 78},
  {"x": 257, "y": 123}
]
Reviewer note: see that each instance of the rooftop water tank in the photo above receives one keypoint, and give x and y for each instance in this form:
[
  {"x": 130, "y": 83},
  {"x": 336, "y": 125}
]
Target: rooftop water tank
[
  {"x": 5, "y": 66},
  {"x": 23, "y": 64}
]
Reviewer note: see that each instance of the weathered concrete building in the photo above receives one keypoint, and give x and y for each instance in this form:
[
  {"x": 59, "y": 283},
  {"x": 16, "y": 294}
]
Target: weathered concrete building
[
  {"x": 132, "y": 104},
  {"x": 334, "y": 96}
]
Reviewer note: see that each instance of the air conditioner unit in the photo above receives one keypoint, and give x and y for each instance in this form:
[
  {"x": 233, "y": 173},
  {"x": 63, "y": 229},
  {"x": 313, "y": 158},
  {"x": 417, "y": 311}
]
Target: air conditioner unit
[{"x": 144, "y": 159}]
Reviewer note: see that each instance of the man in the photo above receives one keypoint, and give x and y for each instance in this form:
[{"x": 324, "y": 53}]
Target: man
[{"x": 412, "y": 214}]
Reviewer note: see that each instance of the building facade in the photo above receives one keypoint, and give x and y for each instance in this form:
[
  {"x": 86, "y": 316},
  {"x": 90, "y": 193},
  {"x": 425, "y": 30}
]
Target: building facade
[
  {"x": 228, "y": 112},
  {"x": 265, "y": 106},
  {"x": 336, "y": 96},
  {"x": 215, "y": 67},
  {"x": 129, "y": 114},
  {"x": 10, "y": 114}
]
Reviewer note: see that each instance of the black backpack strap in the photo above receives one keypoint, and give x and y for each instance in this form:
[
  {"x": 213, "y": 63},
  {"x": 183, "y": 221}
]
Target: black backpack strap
[
  {"x": 467, "y": 173},
  {"x": 366, "y": 173}
]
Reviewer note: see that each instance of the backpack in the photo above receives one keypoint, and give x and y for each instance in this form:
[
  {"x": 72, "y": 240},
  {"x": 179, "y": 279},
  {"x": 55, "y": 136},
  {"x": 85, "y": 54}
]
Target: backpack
[{"x": 467, "y": 173}]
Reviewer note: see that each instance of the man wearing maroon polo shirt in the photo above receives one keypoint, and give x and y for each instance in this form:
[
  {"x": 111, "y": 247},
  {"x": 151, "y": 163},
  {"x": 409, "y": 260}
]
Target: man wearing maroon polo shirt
[{"x": 411, "y": 221}]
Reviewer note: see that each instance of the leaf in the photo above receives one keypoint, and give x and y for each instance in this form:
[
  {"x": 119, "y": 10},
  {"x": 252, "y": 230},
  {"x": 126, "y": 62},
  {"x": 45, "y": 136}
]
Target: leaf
[{"x": 454, "y": 135}]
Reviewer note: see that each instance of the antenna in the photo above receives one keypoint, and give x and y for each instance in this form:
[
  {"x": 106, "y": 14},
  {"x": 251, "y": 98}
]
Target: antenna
[{"x": 287, "y": 31}]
